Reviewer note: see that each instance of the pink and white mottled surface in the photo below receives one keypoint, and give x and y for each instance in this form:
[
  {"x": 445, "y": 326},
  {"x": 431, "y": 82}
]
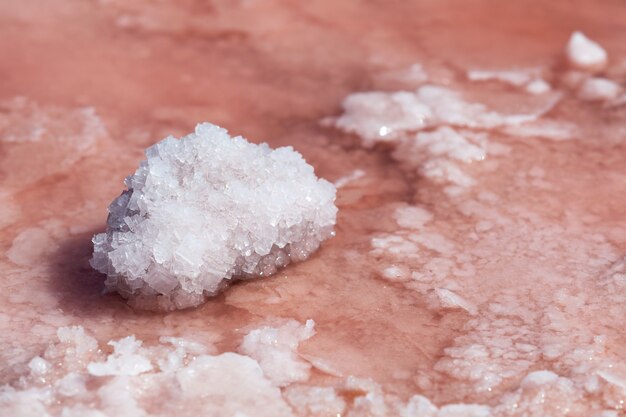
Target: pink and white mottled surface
[{"x": 507, "y": 291}]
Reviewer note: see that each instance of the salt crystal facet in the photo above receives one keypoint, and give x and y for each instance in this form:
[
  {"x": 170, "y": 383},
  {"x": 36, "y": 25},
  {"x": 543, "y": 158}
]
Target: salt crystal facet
[{"x": 204, "y": 210}]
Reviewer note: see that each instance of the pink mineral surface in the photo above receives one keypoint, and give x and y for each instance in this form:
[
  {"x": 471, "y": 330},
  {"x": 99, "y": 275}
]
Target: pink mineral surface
[{"x": 478, "y": 151}]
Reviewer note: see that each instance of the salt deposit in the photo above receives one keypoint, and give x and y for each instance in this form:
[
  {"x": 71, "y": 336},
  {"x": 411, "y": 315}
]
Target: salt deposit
[
  {"x": 32, "y": 130},
  {"x": 538, "y": 86},
  {"x": 585, "y": 54},
  {"x": 516, "y": 78},
  {"x": 383, "y": 117},
  {"x": 599, "y": 89},
  {"x": 204, "y": 210},
  {"x": 275, "y": 350},
  {"x": 528, "y": 79}
]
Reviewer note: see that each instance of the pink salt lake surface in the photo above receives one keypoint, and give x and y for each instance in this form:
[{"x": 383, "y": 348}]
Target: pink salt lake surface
[{"x": 485, "y": 272}]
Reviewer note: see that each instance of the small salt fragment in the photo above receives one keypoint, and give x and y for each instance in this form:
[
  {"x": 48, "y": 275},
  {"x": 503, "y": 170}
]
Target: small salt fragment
[
  {"x": 464, "y": 410},
  {"x": 204, "y": 210},
  {"x": 39, "y": 366},
  {"x": 538, "y": 378},
  {"x": 585, "y": 54},
  {"x": 596, "y": 89},
  {"x": 450, "y": 299},
  {"x": 419, "y": 406},
  {"x": 275, "y": 348},
  {"x": 544, "y": 128},
  {"x": 537, "y": 87},
  {"x": 385, "y": 117},
  {"x": 125, "y": 360},
  {"x": 412, "y": 217},
  {"x": 71, "y": 385},
  {"x": 394, "y": 273},
  {"x": 347, "y": 179},
  {"x": 315, "y": 401},
  {"x": 515, "y": 78}
]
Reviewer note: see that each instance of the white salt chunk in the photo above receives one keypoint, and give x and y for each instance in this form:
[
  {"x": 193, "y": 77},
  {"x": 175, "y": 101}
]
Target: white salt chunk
[
  {"x": 275, "y": 348},
  {"x": 438, "y": 154},
  {"x": 515, "y": 78},
  {"x": 538, "y": 86},
  {"x": 544, "y": 128},
  {"x": 585, "y": 54},
  {"x": 527, "y": 79},
  {"x": 464, "y": 410},
  {"x": 419, "y": 406},
  {"x": 384, "y": 117},
  {"x": 538, "y": 378},
  {"x": 315, "y": 401},
  {"x": 394, "y": 273},
  {"x": 71, "y": 385},
  {"x": 224, "y": 385},
  {"x": 207, "y": 209},
  {"x": 595, "y": 89},
  {"x": 449, "y": 299},
  {"x": 39, "y": 366},
  {"x": 412, "y": 217},
  {"x": 125, "y": 360}
]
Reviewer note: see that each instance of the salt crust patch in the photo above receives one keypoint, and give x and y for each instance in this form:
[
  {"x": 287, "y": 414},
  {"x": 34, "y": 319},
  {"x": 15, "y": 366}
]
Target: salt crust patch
[
  {"x": 383, "y": 116},
  {"x": 434, "y": 132},
  {"x": 208, "y": 208},
  {"x": 175, "y": 377},
  {"x": 585, "y": 54},
  {"x": 184, "y": 379},
  {"x": 528, "y": 79},
  {"x": 511, "y": 334},
  {"x": 596, "y": 89},
  {"x": 53, "y": 137},
  {"x": 412, "y": 217},
  {"x": 544, "y": 128},
  {"x": 441, "y": 154},
  {"x": 508, "y": 335}
]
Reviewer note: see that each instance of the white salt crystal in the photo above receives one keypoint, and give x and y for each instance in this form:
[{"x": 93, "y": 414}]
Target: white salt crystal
[
  {"x": 315, "y": 401},
  {"x": 599, "y": 89},
  {"x": 585, "y": 54},
  {"x": 515, "y": 78},
  {"x": 419, "y": 406},
  {"x": 39, "y": 366},
  {"x": 72, "y": 385},
  {"x": 379, "y": 116},
  {"x": 538, "y": 86},
  {"x": 275, "y": 348},
  {"x": 207, "y": 209},
  {"x": 450, "y": 299},
  {"x": 394, "y": 273},
  {"x": 538, "y": 378},
  {"x": 224, "y": 385},
  {"x": 125, "y": 360},
  {"x": 464, "y": 410},
  {"x": 528, "y": 79},
  {"x": 437, "y": 154},
  {"x": 544, "y": 128},
  {"x": 384, "y": 117},
  {"x": 412, "y": 217}
]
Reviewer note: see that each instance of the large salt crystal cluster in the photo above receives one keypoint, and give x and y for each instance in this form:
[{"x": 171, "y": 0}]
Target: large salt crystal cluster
[{"x": 204, "y": 210}]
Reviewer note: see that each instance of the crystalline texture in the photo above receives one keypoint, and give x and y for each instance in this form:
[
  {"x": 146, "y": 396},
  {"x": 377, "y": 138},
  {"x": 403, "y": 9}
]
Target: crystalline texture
[{"x": 207, "y": 209}]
